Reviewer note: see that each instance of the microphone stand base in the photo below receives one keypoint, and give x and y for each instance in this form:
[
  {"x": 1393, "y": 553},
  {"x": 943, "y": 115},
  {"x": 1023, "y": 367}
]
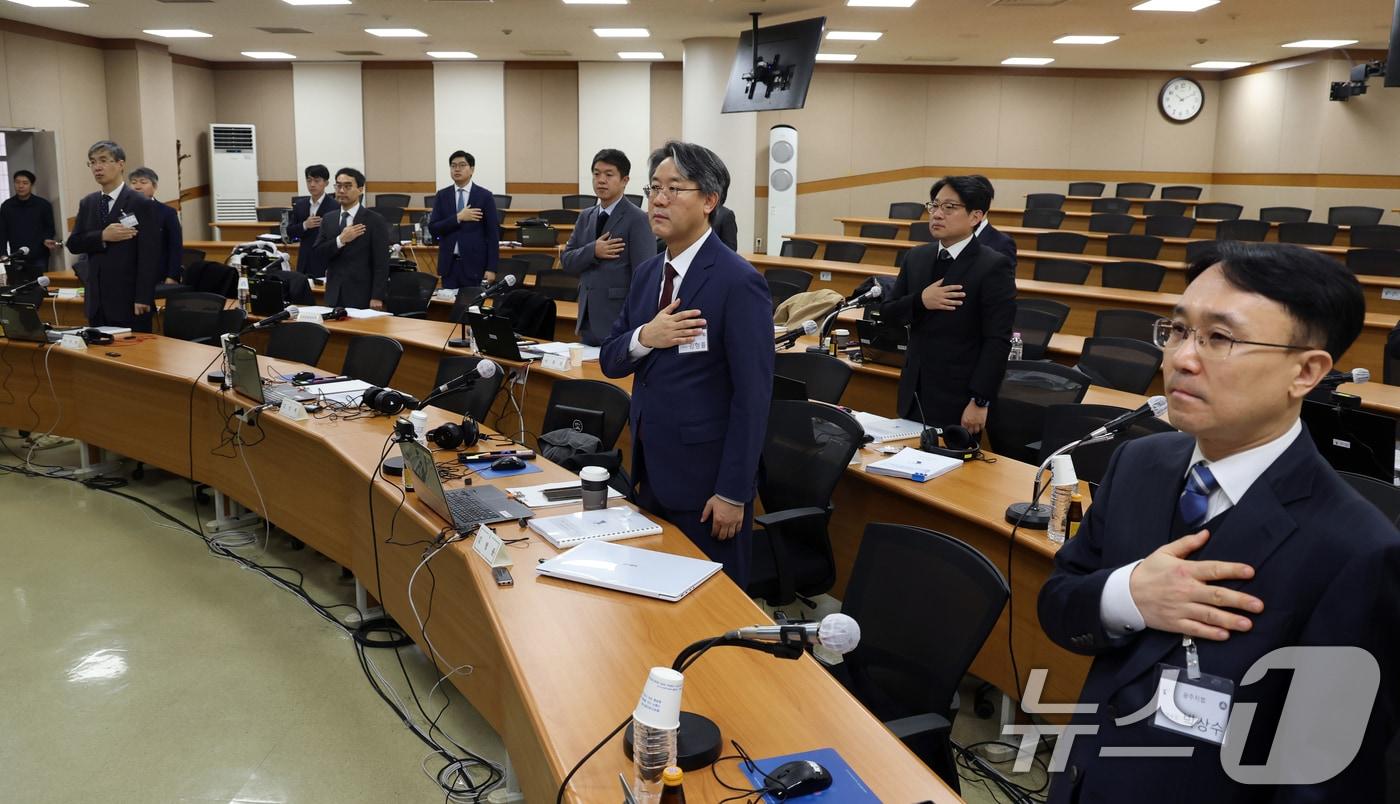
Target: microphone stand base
[
  {"x": 459, "y": 343},
  {"x": 1029, "y": 515},
  {"x": 697, "y": 744}
]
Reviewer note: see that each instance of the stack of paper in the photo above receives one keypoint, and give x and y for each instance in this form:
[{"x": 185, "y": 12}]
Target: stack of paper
[
  {"x": 881, "y": 429},
  {"x": 912, "y": 464}
]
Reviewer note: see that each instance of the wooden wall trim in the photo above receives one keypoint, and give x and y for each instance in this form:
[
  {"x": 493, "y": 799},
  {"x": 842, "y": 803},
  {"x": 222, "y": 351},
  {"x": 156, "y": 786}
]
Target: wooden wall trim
[
  {"x": 562, "y": 66},
  {"x": 51, "y": 34},
  {"x": 191, "y": 193},
  {"x": 541, "y": 188},
  {"x": 279, "y": 186},
  {"x": 396, "y": 65}
]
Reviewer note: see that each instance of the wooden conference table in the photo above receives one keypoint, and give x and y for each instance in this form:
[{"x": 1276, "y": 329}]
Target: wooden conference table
[
  {"x": 556, "y": 665},
  {"x": 1003, "y": 218}
]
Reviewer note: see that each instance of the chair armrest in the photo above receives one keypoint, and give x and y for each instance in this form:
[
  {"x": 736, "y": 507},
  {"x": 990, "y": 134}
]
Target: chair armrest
[
  {"x": 415, "y": 314},
  {"x": 779, "y": 519},
  {"x": 914, "y": 725}
]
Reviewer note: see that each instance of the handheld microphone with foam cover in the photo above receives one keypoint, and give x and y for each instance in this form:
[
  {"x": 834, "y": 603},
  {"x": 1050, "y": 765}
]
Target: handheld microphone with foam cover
[
  {"x": 836, "y": 632},
  {"x": 1336, "y": 378},
  {"x": 484, "y": 370},
  {"x": 42, "y": 282},
  {"x": 275, "y": 318},
  {"x": 504, "y": 283},
  {"x": 790, "y": 337},
  {"x": 1153, "y": 407}
]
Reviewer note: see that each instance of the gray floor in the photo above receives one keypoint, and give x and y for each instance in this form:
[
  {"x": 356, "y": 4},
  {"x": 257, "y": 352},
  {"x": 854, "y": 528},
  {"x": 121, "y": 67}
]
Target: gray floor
[{"x": 139, "y": 667}]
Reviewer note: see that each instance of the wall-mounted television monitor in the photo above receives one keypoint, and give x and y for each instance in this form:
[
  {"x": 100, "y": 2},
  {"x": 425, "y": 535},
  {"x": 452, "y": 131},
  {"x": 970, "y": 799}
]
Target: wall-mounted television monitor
[{"x": 776, "y": 74}]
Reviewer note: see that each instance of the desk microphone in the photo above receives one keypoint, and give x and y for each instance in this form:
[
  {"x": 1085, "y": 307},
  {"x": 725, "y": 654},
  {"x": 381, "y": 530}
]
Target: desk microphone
[
  {"x": 1153, "y": 407},
  {"x": 277, "y": 317},
  {"x": 872, "y": 293},
  {"x": 484, "y": 370},
  {"x": 836, "y": 632},
  {"x": 1335, "y": 378},
  {"x": 43, "y": 282},
  {"x": 787, "y": 339},
  {"x": 508, "y": 281},
  {"x": 19, "y": 252},
  {"x": 336, "y": 314}
]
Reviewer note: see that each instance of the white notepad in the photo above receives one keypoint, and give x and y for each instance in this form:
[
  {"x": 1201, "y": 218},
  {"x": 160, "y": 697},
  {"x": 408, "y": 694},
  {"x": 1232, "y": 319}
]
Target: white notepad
[
  {"x": 881, "y": 429},
  {"x": 913, "y": 464},
  {"x": 630, "y": 569},
  {"x": 604, "y": 525},
  {"x": 534, "y": 497}
]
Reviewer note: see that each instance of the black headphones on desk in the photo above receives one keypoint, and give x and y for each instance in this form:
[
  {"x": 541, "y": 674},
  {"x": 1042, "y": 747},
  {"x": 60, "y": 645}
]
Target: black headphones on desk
[
  {"x": 956, "y": 442},
  {"x": 388, "y": 401},
  {"x": 452, "y": 436}
]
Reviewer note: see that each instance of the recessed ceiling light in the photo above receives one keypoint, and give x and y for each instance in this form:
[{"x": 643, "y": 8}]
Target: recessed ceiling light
[
  {"x": 317, "y": 2},
  {"x": 1321, "y": 43},
  {"x": 622, "y": 33},
  {"x": 1219, "y": 65},
  {"x": 399, "y": 33},
  {"x": 267, "y": 54},
  {"x": 1026, "y": 61},
  {"x": 879, "y": 3},
  {"x": 177, "y": 33},
  {"x": 50, "y": 3},
  {"x": 650, "y": 55},
  {"x": 1175, "y": 5},
  {"x": 452, "y": 54},
  {"x": 854, "y": 36},
  {"x": 836, "y": 57},
  {"x": 1080, "y": 39},
  {"x": 595, "y": 2}
]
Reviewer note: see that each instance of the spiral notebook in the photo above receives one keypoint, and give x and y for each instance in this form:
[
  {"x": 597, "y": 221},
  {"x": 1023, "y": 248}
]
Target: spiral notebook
[{"x": 604, "y": 525}]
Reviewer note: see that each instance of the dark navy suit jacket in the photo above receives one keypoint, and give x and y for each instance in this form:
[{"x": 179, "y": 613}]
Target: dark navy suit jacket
[
  {"x": 699, "y": 418},
  {"x": 478, "y": 243},
  {"x": 309, "y": 261},
  {"x": 999, "y": 241},
  {"x": 119, "y": 275},
  {"x": 1327, "y": 568},
  {"x": 172, "y": 240}
]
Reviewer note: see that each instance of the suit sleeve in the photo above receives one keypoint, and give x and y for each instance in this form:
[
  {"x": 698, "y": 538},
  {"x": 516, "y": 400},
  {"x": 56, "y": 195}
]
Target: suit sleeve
[
  {"x": 748, "y": 326},
  {"x": 174, "y": 245},
  {"x": 296, "y": 221},
  {"x": 1009, "y": 247},
  {"x": 379, "y": 257},
  {"x": 325, "y": 247},
  {"x": 905, "y": 305},
  {"x": 578, "y": 253},
  {"x": 997, "y": 316},
  {"x": 443, "y": 219},
  {"x": 46, "y": 227},
  {"x": 614, "y": 358},
  {"x": 150, "y": 248},
  {"x": 85, "y": 240},
  {"x": 729, "y": 230},
  {"x": 491, "y": 226}
]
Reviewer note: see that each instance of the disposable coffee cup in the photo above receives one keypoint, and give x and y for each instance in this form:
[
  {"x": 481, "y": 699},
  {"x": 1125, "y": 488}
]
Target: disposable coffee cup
[
  {"x": 575, "y": 355},
  {"x": 594, "y": 480},
  {"x": 843, "y": 338},
  {"x": 660, "y": 704}
]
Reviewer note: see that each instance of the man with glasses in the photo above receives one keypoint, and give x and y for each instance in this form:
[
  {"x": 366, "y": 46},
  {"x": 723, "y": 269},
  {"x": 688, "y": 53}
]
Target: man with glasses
[
  {"x": 119, "y": 230},
  {"x": 467, "y": 227},
  {"x": 695, "y": 332},
  {"x": 354, "y": 243},
  {"x": 1208, "y": 549},
  {"x": 958, "y": 297}
]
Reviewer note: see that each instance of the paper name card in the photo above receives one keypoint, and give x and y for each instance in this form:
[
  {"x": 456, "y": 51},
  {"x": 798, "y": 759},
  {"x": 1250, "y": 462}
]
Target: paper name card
[
  {"x": 304, "y": 314},
  {"x": 555, "y": 362},
  {"x": 293, "y": 410},
  {"x": 490, "y": 547},
  {"x": 75, "y": 342}
]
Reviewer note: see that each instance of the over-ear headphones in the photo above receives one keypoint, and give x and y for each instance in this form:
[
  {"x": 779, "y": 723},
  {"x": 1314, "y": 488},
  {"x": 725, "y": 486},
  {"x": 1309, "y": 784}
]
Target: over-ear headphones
[
  {"x": 388, "y": 401},
  {"x": 957, "y": 442},
  {"x": 96, "y": 337},
  {"x": 452, "y": 436}
]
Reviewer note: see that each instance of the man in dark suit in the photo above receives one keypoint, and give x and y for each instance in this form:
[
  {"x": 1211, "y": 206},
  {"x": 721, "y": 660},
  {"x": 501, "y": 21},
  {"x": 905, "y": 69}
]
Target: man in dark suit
[
  {"x": 989, "y": 234},
  {"x": 1209, "y": 549},
  {"x": 26, "y": 221},
  {"x": 695, "y": 333},
  {"x": 467, "y": 227},
  {"x": 726, "y": 227},
  {"x": 354, "y": 242},
  {"x": 609, "y": 241},
  {"x": 145, "y": 181},
  {"x": 304, "y": 221},
  {"x": 119, "y": 230},
  {"x": 958, "y": 297}
]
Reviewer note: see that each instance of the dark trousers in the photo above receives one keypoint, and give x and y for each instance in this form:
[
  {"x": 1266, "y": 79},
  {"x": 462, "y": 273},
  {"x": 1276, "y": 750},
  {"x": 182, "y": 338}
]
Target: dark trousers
[
  {"x": 734, "y": 553},
  {"x": 456, "y": 272}
]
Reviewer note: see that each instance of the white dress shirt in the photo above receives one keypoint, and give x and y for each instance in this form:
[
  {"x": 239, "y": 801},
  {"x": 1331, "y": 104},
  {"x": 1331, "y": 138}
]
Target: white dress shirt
[
  {"x": 355, "y": 210},
  {"x": 957, "y": 248},
  {"x": 983, "y": 225},
  {"x": 1233, "y": 476},
  {"x": 466, "y": 190},
  {"x": 681, "y": 262},
  {"x": 608, "y": 210}
]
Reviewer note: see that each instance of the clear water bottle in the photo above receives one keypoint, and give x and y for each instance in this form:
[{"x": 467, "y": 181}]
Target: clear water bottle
[
  {"x": 1063, "y": 484},
  {"x": 1018, "y": 346},
  {"x": 282, "y": 226},
  {"x": 655, "y": 725}
]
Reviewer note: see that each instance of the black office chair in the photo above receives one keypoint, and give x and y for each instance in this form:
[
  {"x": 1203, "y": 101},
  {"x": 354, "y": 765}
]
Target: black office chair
[
  {"x": 907, "y": 210},
  {"x": 231, "y": 321},
  {"x": 190, "y": 256},
  {"x": 826, "y": 376},
  {"x": 1174, "y": 209},
  {"x": 1110, "y": 206},
  {"x": 1219, "y": 211},
  {"x": 1016, "y": 421},
  {"x": 1139, "y": 325},
  {"x": 299, "y": 341},
  {"x": 1036, "y": 328},
  {"x": 1354, "y": 216},
  {"x": 805, "y": 453},
  {"x": 1062, "y": 242},
  {"x": 1385, "y": 496},
  {"x": 517, "y": 267},
  {"x": 559, "y": 217},
  {"x": 845, "y": 252},
  {"x": 1072, "y": 272},
  {"x": 392, "y": 215},
  {"x": 193, "y": 316},
  {"x": 399, "y": 200},
  {"x": 578, "y": 202},
  {"x": 907, "y": 672},
  {"x": 409, "y": 293},
  {"x": 880, "y": 231},
  {"x": 1169, "y": 226},
  {"x": 429, "y": 200},
  {"x": 372, "y": 359},
  {"x": 1044, "y": 201},
  {"x": 634, "y": 199},
  {"x": 1390, "y": 370},
  {"x": 296, "y": 287},
  {"x": 793, "y": 276},
  {"x": 1308, "y": 234},
  {"x": 805, "y": 249},
  {"x": 1065, "y": 423},
  {"x": 1197, "y": 249},
  {"x": 475, "y": 401},
  {"x": 1131, "y": 275},
  {"x": 1243, "y": 229},
  {"x": 919, "y": 232},
  {"x": 557, "y": 285},
  {"x": 1374, "y": 261},
  {"x": 212, "y": 277},
  {"x": 1112, "y": 223},
  {"x": 1134, "y": 189},
  {"x": 271, "y": 215},
  {"x": 535, "y": 262},
  {"x": 1285, "y": 214},
  {"x": 1181, "y": 192},
  {"x": 589, "y": 406},
  {"x": 1057, "y": 310},
  {"x": 1121, "y": 363},
  {"x": 1135, "y": 247},
  {"x": 1378, "y": 236},
  {"x": 1085, "y": 188},
  {"x": 502, "y": 200},
  {"x": 1041, "y": 218},
  {"x": 781, "y": 291}
]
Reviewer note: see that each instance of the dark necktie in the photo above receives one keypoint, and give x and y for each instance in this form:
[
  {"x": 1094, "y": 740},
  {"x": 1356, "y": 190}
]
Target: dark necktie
[
  {"x": 668, "y": 287},
  {"x": 461, "y": 199},
  {"x": 106, "y": 206},
  {"x": 344, "y": 221},
  {"x": 1195, "y": 498},
  {"x": 941, "y": 265},
  {"x": 602, "y": 221}
]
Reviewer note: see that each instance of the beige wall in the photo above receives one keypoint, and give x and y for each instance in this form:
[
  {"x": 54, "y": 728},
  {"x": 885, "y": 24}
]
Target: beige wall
[
  {"x": 541, "y": 130},
  {"x": 263, "y": 97},
  {"x": 665, "y": 108},
  {"x": 194, "y": 111},
  {"x": 398, "y": 112}
]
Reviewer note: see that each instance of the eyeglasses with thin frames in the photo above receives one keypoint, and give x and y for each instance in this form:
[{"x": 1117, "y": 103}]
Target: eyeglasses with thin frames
[
  {"x": 668, "y": 193},
  {"x": 1170, "y": 335},
  {"x": 948, "y": 207}
]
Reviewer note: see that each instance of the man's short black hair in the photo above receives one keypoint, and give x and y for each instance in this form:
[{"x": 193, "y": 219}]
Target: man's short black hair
[
  {"x": 1319, "y": 292},
  {"x": 352, "y": 173},
  {"x": 987, "y": 183},
  {"x": 318, "y": 172},
  {"x": 471, "y": 160},
  {"x": 974, "y": 191},
  {"x": 24, "y": 174},
  {"x": 616, "y": 158}
]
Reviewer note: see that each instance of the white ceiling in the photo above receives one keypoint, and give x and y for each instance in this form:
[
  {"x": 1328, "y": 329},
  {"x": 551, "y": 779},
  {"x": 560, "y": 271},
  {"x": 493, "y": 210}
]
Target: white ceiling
[{"x": 957, "y": 32}]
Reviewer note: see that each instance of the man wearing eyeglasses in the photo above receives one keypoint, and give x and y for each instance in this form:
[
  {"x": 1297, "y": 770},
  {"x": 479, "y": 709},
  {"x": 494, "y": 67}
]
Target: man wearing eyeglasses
[
  {"x": 467, "y": 227},
  {"x": 1207, "y": 550},
  {"x": 354, "y": 245},
  {"x": 958, "y": 297}
]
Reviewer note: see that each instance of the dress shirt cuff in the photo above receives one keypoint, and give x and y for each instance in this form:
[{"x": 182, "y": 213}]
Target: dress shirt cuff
[
  {"x": 338, "y": 244},
  {"x": 1119, "y": 613},
  {"x": 731, "y": 502},
  {"x": 637, "y": 351}
]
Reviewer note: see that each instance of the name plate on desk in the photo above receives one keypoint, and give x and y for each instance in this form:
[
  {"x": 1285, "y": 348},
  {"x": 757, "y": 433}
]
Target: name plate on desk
[
  {"x": 555, "y": 362},
  {"x": 1390, "y": 294},
  {"x": 71, "y": 341},
  {"x": 490, "y": 547},
  {"x": 304, "y": 314},
  {"x": 293, "y": 410}
]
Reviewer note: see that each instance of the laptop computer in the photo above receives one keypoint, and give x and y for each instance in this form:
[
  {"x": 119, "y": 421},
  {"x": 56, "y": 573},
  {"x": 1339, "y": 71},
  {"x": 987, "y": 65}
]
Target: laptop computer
[
  {"x": 883, "y": 344},
  {"x": 464, "y": 508},
  {"x": 539, "y": 236},
  {"x": 494, "y": 337},
  {"x": 245, "y": 377},
  {"x": 20, "y": 322},
  {"x": 1352, "y": 440},
  {"x": 649, "y": 573}
]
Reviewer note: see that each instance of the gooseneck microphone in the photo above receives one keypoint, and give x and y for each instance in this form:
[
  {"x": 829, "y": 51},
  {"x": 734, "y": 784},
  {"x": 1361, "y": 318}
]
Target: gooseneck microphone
[
  {"x": 1152, "y": 408},
  {"x": 42, "y": 282},
  {"x": 275, "y": 318},
  {"x": 505, "y": 282},
  {"x": 836, "y": 632},
  {"x": 787, "y": 339}
]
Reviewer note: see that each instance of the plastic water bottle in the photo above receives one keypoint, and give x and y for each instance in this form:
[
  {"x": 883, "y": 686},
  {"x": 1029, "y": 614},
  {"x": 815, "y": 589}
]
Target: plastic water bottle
[
  {"x": 1063, "y": 485},
  {"x": 1018, "y": 346},
  {"x": 655, "y": 725},
  {"x": 4, "y": 278}
]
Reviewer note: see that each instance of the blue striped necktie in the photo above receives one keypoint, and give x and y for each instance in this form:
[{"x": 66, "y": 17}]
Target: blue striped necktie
[{"x": 1195, "y": 498}]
